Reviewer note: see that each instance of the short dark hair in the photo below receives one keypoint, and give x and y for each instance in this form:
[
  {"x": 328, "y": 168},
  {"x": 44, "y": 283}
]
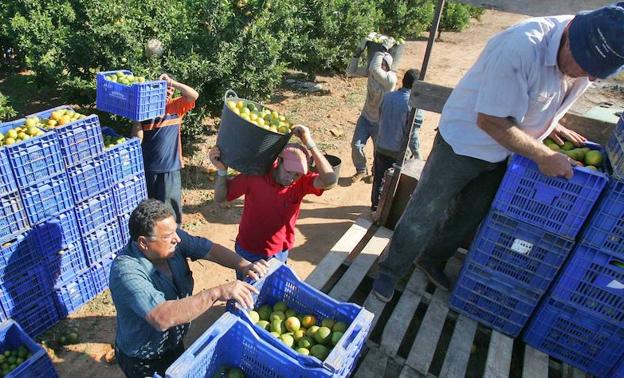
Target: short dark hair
[
  {"x": 145, "y": 216},
  {"x": 409, "y": 77}
]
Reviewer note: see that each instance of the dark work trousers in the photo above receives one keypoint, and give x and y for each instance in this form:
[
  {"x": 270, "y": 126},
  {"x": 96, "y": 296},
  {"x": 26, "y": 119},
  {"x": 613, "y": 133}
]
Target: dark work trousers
[
  {"x": 380, "y": 165},
  {"x": 139, "y": 368},
  {"x": 167, "y": 187}
]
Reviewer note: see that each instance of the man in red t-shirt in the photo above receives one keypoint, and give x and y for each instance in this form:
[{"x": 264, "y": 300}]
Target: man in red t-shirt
[
  {"x": 272, "y": 201},
  {"x": 162, "y": 147}
]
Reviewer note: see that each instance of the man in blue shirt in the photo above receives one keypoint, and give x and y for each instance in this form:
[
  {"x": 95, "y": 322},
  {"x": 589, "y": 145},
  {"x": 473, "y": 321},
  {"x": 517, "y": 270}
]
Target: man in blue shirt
[
  {"x": 393, "y": 129},
  {"x": 162, "y": 146},
  {"x": 151, "y": 286}
]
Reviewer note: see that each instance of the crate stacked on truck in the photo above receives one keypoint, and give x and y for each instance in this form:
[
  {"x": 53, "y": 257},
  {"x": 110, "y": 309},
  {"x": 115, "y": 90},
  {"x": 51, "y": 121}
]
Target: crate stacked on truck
[{"x": 62, "y": 200}]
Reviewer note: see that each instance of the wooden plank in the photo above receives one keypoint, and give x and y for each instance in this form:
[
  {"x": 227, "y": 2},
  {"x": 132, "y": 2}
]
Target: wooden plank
[
  {"x": 535, "y": 363},
  {"x": 408, "y": 372},
  {"x": 428, "y": 96},
  {"x": 347, "y": 284},
  {"x": 456, "y": 359},
  {"x": 373, "y": 365},
  {"x": 397, "y": 325},
  {"x": 339, "y": 252},
  {"x": 499, "y": 356},
  {"x": 423, "y": 349}
]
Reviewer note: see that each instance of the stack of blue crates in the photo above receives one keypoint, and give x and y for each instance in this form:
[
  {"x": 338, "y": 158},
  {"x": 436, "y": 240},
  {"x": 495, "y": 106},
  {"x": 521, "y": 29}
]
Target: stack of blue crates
[
  {"x": 523, "y": 242},
  {"x": 581, "y": 321},
  {"x": 62, "y": 198}
]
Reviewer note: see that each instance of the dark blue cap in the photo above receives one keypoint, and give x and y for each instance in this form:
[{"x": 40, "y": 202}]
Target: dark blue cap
[{"x": 597, "y": 40}]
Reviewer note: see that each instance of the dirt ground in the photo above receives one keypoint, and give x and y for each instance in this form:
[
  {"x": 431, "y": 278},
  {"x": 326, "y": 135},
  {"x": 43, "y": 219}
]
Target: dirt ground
[{"x": 331, "y": 116}]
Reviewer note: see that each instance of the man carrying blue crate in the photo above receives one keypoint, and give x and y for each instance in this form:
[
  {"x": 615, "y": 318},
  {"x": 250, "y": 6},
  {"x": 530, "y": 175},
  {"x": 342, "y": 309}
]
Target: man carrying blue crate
[
  {"x": 162, "y": 146},
  {"x": 273, "y": 201},
  {"x": 152, "y": 288},
  {"x": 513, "y": 97}
]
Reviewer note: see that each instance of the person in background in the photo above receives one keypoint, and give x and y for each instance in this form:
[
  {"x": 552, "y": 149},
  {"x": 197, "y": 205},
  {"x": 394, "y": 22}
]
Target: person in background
[
  {"x": 152, "y": 288},
  {"x": 162, "y": 146}
]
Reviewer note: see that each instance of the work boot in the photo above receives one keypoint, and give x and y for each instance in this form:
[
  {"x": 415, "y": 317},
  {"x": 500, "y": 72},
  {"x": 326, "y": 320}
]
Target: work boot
[
  {"x": 435, "y": 274},
  {"x": 358, "y": 176},
  {"x": 383, "y": 287},
  {"x": 368, "y": 179}
]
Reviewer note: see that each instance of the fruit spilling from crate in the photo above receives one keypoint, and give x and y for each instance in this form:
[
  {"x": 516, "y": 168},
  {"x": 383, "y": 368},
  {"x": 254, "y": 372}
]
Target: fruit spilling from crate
[
  {"x": 125, "y": 79},
  {"x": 303, "y": 333},
  {"x": 585, "y": 156},
  {"x": 260, "y": 116}
]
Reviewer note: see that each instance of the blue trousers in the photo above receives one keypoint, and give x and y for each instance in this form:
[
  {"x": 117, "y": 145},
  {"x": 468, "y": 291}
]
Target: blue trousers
[
  {"x": 252, "y": 257},
  {"x": 364, "y": 129},
  {"x": 167, "y": 187}
]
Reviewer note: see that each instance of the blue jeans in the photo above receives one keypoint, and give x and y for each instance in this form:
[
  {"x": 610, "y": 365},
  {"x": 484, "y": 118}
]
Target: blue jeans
[
  {"x": 252, "y": 257},
  {"x": 453, "y": 195},
  {"x": 364, "y": 129}
]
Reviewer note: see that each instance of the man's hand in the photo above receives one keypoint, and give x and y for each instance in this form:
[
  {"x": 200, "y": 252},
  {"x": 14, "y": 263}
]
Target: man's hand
[
  {"x": 166, "y": 78},
  {"x": 557, "y": 165},
  {"x": 560, "y": 134},
  {"x": 240, "y": 291},
  {"x": 215, "y": 158},
  {"x": 255, "y": 270},
  {"x": 303, "y": 133}
]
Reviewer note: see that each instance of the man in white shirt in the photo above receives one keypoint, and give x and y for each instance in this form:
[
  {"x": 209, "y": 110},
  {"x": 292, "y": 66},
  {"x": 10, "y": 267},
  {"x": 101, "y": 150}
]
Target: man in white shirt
[{"x": 524, "y": 81}]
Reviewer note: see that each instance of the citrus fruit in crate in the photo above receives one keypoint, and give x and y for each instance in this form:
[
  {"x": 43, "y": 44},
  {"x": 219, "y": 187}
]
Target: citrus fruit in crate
[
  {"x": 125, "y": 79},
  {"x": 260, "y": 116}
]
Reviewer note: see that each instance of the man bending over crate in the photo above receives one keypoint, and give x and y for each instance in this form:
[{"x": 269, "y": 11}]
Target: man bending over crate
[
  {"x": 272, "y": 201},
  {"x": 162, "y": 147},
  {"x": 152, "y": 286},
  {"x": 523, "y": 82}
]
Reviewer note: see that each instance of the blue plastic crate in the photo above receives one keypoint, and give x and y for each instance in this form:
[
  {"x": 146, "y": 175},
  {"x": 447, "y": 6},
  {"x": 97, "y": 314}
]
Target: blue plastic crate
[
  {"x": 618, "y": 370},
  {"x": 13, "y": 218},
  {"x": 605, "y": 228},
  {"x": 479, "y": 295},
  {"x": 137, "y": 102},
  {"x": 89, "y": 178},
  {"x": 35, "y": 159},
  {"x": 7, "y": 181},
  {"x": 16, "y": 257},
  {"x": 39, "y": 316},
  {"x": 70, "y": 296},
  {"x": 64, "y": 265},
  {"x": 281, "y": 284},
  {"x": 129, "y": 193},
  {"x": 18, "y": 293},
  {"x": 47, "y": 198},
  {"x": 102, "y": 241},
  {"x": 125, "y": 159},
  {"x": 55, "y": 233},
  {"x": 575, "y": 337},
  {"x": 518, "y": 253},
  {"x": 79, "y": 140},
  {"x": 95, "y": 212},
  {"x": 555, "y": 204},
  {"x": 12, "y": 336},
  {"x": 593, "y": 281},
  {"x": 124, "y": 228},
  {"x": 231, "y": 342},
  {"x": 99, "y": 273}
]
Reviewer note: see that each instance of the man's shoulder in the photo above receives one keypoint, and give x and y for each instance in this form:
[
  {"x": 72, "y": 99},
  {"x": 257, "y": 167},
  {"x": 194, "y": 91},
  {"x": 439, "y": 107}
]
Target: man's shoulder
[{"x": 125, "y": 263}]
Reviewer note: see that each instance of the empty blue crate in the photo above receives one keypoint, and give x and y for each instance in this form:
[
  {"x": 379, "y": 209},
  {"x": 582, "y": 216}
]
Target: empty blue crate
[
  {"x": 95, "y": 212},
  {"x": 18, "y": 293},
  {"x": 38, "y": 316},
  {"x": 575, "y": 337},
  {"x": 129, "y": 193},
  {"x": 479, "y": 295},
  {"x": 65, "y": 264},
  {"x": 34, "y": 159},
  {"x": 47, "y": 198},
  {"x": 605, "y": 229},
  {"x": 518, "y": 253},
  {"x": 593, "y": 281},
  {"x": 79, "y": 140},
  {"x": 55, "y": 233},
  {"x": 281, "y": 284},
  {"x": 124, "y": 228},
  {"x": 125, "y": 159},
  {"x": 7, "y": 181},
  {"x": 13, "y": 218},
  {"x": 99, "y": 273},
  {"x": 232, "y": 343},
  {"x": 89, "y": 178},
  {"x": 102, "y": 241},
  {"x": 37, "y": 364},
  {"x": 138, "y": 102},
  {"x": 72, "y": 295},
  {"x": 618, "y": 370},
  {"x": 555, "y": 204},
  {"x": 16, "y": 257}
]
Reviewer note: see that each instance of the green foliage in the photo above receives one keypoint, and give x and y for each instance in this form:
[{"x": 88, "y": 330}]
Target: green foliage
[
  {"x": 6, "y": 111},
  {"x": 406, "y": 18}
]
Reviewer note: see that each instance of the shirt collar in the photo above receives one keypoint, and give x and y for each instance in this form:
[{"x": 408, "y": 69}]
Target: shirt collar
[
  {"x": 134, "y": 251},
  {"x": 555, "y": 41}
]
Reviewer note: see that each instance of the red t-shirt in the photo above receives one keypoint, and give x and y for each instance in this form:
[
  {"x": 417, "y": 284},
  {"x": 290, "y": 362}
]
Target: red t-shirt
[{"x": 270, "y": 211}]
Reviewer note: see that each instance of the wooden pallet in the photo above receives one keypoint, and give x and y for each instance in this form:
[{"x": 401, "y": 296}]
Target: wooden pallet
[{"x": 416, "y": 335}]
